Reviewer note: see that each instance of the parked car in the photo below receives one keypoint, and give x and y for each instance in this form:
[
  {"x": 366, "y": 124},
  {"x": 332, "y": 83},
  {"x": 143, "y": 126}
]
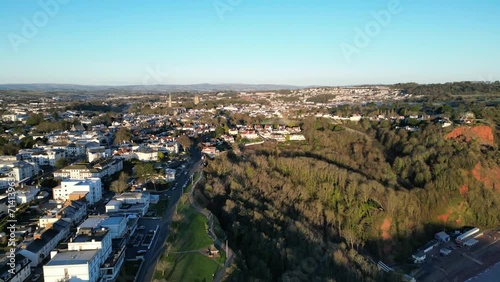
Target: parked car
[
  {"x": 140, "y": 252},
  {"x": 142, "y": 227}
]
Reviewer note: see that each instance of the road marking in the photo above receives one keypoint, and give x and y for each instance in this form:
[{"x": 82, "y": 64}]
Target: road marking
[{"x": 472, "y": 259}]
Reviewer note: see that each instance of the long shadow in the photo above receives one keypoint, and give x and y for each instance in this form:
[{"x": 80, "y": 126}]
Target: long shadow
[
  {"x": 272, "y": 248},
  {"x": 289, "y": 154}
]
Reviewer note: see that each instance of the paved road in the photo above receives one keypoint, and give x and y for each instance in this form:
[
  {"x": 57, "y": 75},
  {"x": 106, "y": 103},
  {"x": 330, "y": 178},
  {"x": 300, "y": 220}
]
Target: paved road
[{"x": 157, "y": 247}]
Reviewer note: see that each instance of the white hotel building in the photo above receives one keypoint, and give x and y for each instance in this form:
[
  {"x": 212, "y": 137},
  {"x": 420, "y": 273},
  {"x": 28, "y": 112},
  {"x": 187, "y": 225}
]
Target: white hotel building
[{"x": 91, "y": 186}]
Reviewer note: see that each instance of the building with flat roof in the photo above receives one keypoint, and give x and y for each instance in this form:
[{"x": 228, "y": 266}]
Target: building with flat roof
[
  {"x": 117, "y": 226},
  {"x": 73, "y": 266},
  {"x": 91, "y": 223},
  {"x": 442, "y": 236},
  {"x": 129, "y": 203},
  {"x": 71, "y": 188},
  {"x": 95, "y": 240}
]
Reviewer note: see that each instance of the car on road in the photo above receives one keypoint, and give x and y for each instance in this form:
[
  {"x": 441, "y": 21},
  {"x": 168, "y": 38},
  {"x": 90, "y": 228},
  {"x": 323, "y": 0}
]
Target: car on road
[
  {"x": 140, "y": 252},
  {"x": 35, "y": 277}
]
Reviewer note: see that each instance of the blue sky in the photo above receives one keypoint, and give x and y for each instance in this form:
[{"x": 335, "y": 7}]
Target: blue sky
[{"x": 306, "y": 42}]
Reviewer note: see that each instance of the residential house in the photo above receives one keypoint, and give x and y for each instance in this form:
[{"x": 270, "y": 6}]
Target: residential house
[
  {"x": 19, "y": 273},
  {"x": 39, "y": 249}
]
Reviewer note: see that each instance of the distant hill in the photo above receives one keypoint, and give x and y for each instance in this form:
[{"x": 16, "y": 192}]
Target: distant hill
[{"x": 147, "y": 88}]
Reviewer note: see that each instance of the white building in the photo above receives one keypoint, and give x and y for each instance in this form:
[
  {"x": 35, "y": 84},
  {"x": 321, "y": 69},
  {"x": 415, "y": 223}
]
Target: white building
[
  {"x": 129, "y": 203},
  {"x": 116, "y": 225},
  {"x": 146, "y": 154},
  {"x": 170, "y": 174},
  {"x": 97, "y": 153},
  {"x": 39, "y": 249},
  {"x": 20, "y": 169},
  {"x": 22, "y": 270},
  {"x": 72, "y": 213},
  {"x": 26, "y": 195},
  {"x": 48, "y": 157},
  {"x": 92, "y": 240},
  {"x": 23, "y": 170},
  {"x": 101, "y": 169},
  {"x": 91, "y": 255},
  {"x": 73, "y": 266},
  {"x": 93, "y": 187}
]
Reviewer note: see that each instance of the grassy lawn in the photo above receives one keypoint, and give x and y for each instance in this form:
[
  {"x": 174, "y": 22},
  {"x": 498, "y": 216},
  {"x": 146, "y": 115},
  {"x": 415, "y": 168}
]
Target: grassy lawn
[
  {"x": 191, "y": 267},
  {"x": 189, "y": 233},
  {"x": 192, "y": 232}
]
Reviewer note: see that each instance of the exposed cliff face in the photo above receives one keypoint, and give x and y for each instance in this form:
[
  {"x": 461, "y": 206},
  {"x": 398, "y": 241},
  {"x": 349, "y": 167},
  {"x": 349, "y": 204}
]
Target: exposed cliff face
[
  {"x": 490, "y": 177},
  {"x": 483, "y": 133}
]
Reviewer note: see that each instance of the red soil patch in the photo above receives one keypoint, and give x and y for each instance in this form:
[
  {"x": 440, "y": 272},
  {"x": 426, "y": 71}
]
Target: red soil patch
[
  {"x": 444, "y": 217},
  {"x": 490, "y": 177},
  {"x": 385, "y": 227},
  {"x": 464, "y": 190},
  {"x": 483, "y": 133}
]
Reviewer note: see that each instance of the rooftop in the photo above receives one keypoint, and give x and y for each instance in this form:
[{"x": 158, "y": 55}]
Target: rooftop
[
  {"x": 113, "y": 220},
  {"x": 97, "y": 236},
  {"x": 72, "y": 257},
  {"x": 92, "y": 222}
]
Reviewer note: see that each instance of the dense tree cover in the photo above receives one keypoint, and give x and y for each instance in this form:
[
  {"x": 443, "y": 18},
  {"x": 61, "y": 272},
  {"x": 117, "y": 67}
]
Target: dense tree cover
[
  {"x": 96, "y": 107},
  {"x": 48, "y": 126},
  {"x": 279, "y": 203},
  {"x": 145, "y": 171},
  {"x": 35, "y": 119},
  {"x": 185, "y": 142},
  {"x": 321, "y": 98},
  {"x": 445, "y": 91},
  {"x": 9, "y": 149},
  {"x": 60, "y": 163},
  {"x": 106, "y": 119},
  {"x": 122, "y": 135},
  {"x": 120, "y": 185}
]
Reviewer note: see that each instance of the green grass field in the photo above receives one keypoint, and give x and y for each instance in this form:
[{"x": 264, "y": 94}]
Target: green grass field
[{"x": 190, "y": 236}]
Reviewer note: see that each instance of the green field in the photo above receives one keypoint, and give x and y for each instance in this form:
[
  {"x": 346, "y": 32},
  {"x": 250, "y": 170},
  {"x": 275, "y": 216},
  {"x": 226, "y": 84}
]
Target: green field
[{"x": 189, "y": 235}]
